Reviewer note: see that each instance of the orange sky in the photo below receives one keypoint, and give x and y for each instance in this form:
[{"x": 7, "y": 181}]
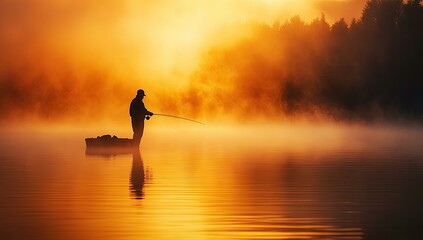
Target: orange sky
[
  {"x": 137, "y": 43},
  {"x": 132, "y": 37}
]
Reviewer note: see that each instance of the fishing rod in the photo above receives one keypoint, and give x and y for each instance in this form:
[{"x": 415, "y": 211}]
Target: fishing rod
[{"x": 172, "y": 116}]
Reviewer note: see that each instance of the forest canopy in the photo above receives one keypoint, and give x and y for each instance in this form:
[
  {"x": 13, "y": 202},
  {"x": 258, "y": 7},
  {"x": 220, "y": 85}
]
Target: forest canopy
[{"x": 369, "y": 68}]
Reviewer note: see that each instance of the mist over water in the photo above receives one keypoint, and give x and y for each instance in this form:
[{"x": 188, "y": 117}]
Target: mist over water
[{"x": 295, "y": 182}]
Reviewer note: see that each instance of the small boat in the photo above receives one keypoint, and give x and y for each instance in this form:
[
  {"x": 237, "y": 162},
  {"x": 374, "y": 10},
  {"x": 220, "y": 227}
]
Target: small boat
[
  {"x": 107, "y": 141},
  {"x": 108, "y": 145}
]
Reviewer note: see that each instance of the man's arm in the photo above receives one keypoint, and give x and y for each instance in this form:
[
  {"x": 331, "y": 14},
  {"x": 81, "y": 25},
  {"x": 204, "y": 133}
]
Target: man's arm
[{"x": 146, "y": 112}]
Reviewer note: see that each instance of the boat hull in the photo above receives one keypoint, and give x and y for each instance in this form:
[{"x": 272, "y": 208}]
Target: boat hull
[
  {"x": 109, "y": 142},
  {"x": 107, "y": 146}
]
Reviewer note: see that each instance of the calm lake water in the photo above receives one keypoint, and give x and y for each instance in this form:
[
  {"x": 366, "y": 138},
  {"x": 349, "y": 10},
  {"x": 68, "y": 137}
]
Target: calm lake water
[{"x": 215, "y": 183}]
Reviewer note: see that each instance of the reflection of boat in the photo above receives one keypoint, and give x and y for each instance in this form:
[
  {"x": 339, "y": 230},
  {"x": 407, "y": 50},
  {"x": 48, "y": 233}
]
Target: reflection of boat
[
  {"x": 107, "y": 145},
  {"x": 109, "y": 151}
]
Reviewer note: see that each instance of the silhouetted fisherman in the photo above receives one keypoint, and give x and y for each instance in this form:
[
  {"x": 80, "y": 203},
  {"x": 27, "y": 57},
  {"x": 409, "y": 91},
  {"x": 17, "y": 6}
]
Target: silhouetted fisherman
[{"x": 138, "y": 113}]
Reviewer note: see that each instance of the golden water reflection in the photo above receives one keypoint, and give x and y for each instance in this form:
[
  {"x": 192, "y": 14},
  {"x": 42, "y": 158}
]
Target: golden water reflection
[{"x": 336, "y": 185}]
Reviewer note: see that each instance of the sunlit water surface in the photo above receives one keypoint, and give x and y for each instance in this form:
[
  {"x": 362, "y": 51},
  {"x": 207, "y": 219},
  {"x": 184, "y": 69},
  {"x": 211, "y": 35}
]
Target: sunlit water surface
[{"x": 218, "y": 183}]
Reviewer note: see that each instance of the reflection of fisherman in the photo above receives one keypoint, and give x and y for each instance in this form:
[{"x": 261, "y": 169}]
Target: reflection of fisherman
[
  {"x": 137, "y": 175},
  {"x": 138, "y": 113}
]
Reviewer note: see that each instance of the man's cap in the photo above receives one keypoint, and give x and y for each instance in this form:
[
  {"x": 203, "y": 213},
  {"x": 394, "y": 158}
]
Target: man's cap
[{"x": 141, "y": 92}]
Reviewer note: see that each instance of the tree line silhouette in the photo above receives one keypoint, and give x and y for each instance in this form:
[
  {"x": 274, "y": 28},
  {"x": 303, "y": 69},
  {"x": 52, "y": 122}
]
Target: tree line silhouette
[{"x": 371, "y": 67}]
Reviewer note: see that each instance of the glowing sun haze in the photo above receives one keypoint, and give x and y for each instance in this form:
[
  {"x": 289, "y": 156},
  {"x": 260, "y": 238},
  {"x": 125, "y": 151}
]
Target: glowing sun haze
[
  {"x": 131, "y": 43},
  {"x": 129, "y": 37},
  {"x": 169, "y": 36}
]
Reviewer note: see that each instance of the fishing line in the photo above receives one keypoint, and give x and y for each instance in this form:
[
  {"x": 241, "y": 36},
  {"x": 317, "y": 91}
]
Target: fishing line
[{"x": 172, "y": 116}]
